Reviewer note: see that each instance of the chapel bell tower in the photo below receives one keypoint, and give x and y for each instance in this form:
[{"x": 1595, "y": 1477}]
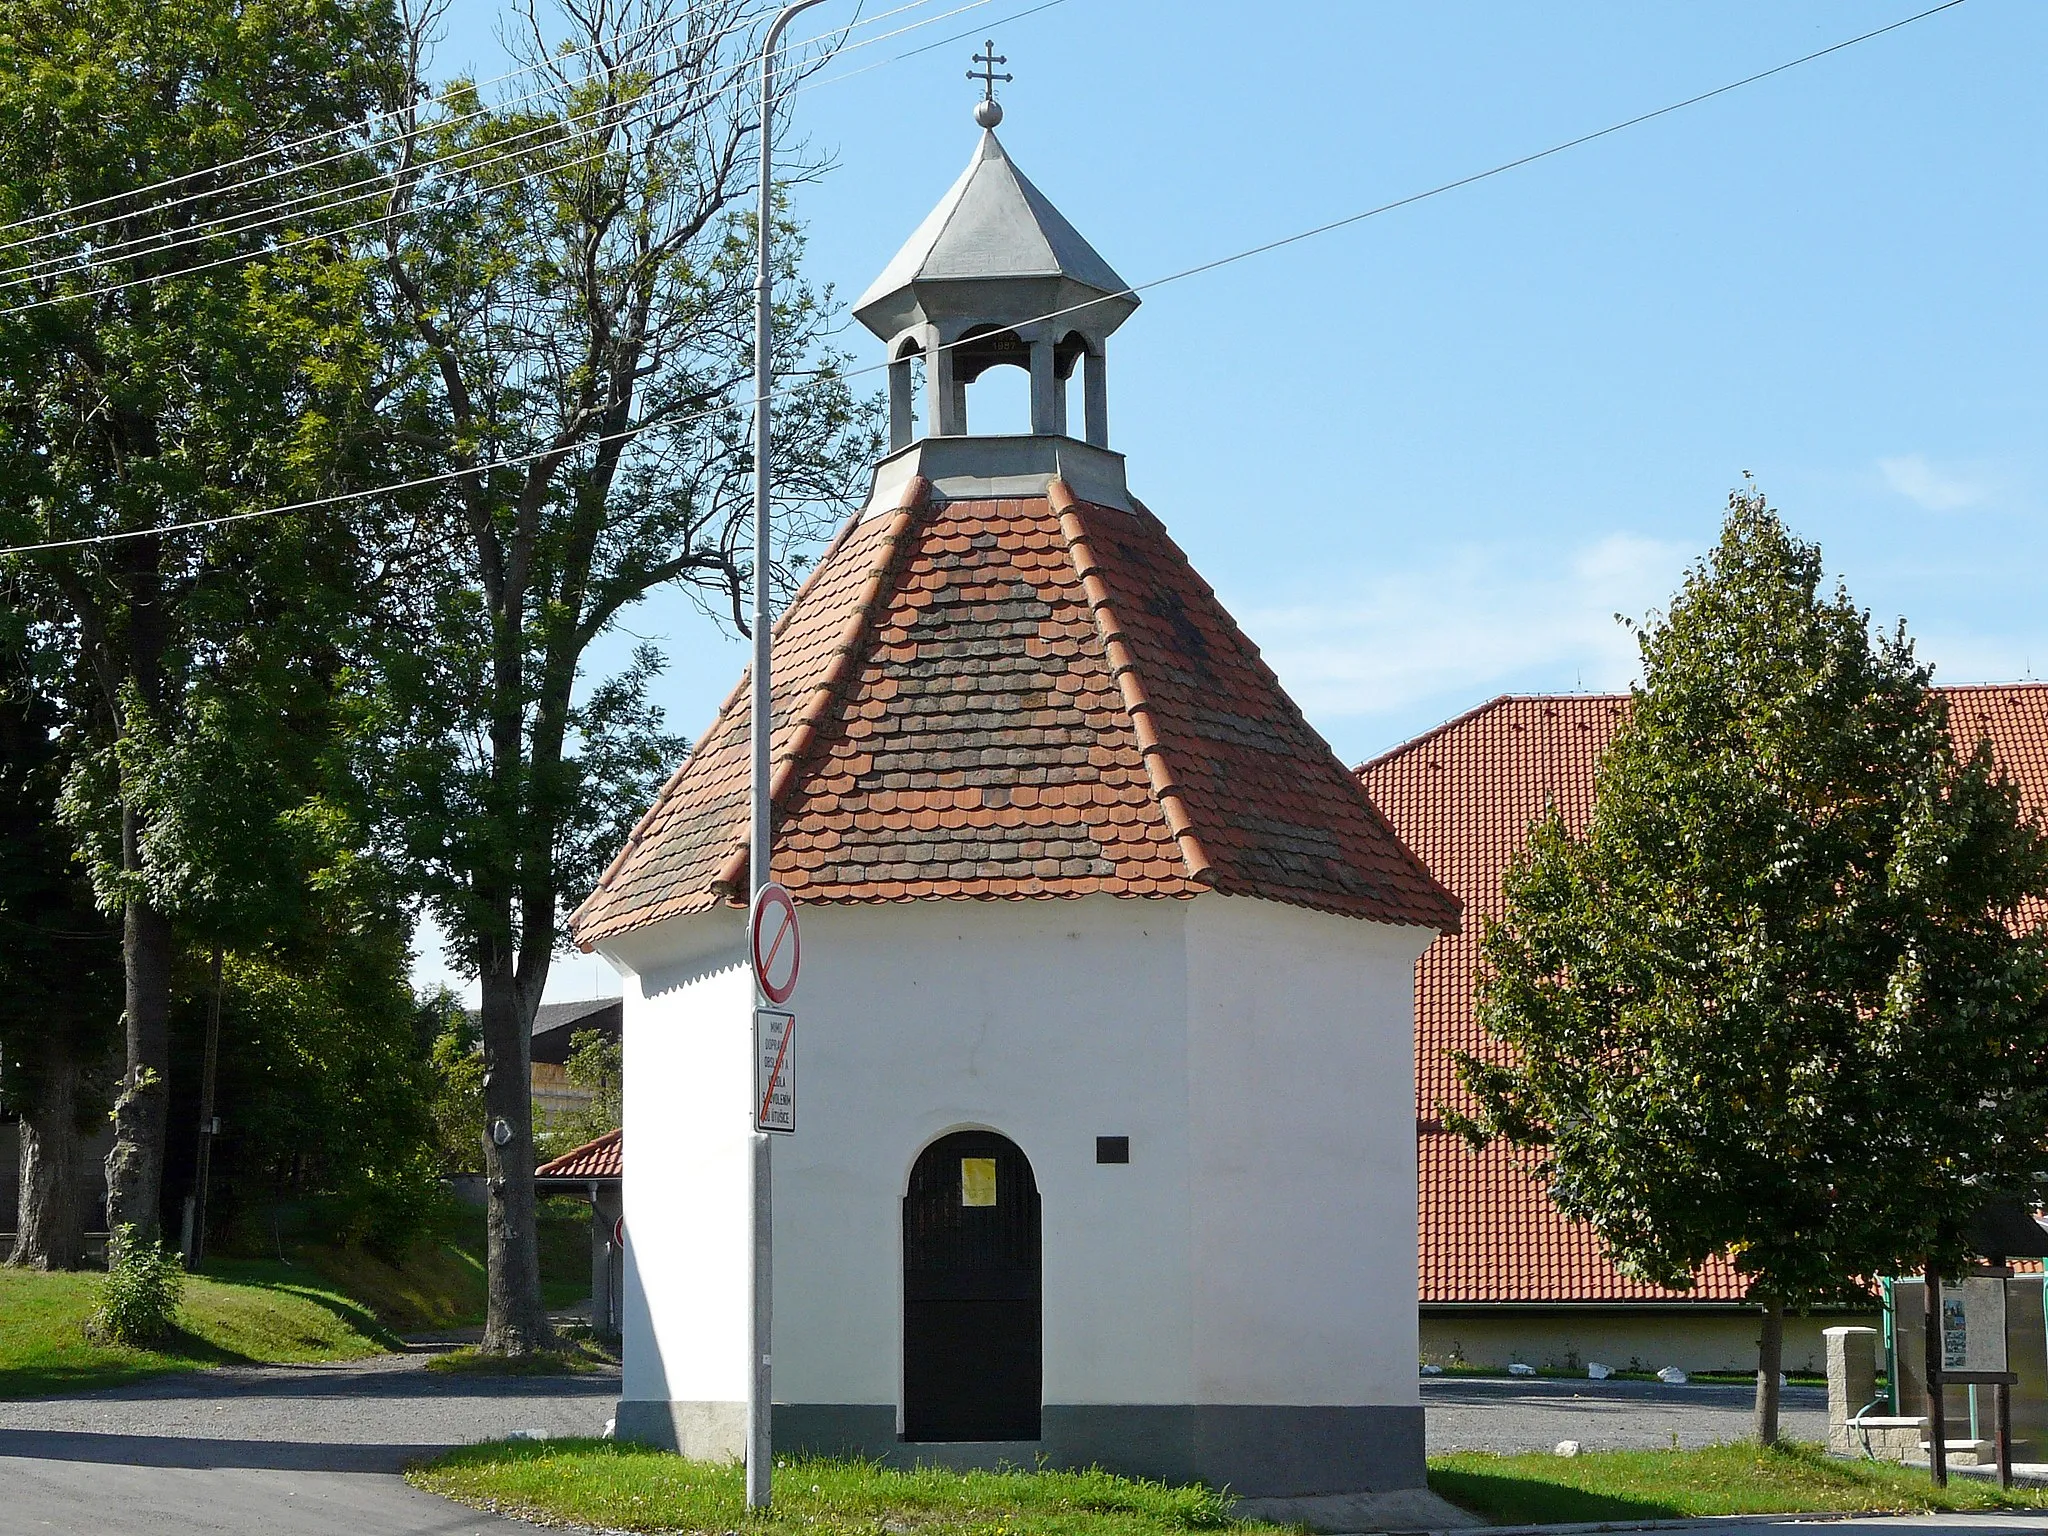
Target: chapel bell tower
[{"x": 993, "y": 276}]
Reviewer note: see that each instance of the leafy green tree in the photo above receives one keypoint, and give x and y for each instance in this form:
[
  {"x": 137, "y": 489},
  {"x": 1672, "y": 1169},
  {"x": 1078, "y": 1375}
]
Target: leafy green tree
[
  {"x": 153, "y": 385},
  {"x": 60, "y": 964},
  {"x": 596, "y": 1064},
  {"x": 574, "y": 275},
  {"x": 327, "y": 1087},
  {"x": 1777, "y": 1002},
  {"x": 458, "y": 1091}
]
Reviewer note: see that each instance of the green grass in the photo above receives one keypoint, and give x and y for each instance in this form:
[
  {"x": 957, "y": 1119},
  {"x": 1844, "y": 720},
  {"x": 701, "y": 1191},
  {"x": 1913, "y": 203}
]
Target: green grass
[
  {"x": 632, "y": 1488},
  {"x": 43, "y": 1348},
  {"x": 574, "y": 1358},
  {"x": 1737, "y": 1479},
  {"x": 326, "y": 1303},
  {"x": 438, "y": 1283}
]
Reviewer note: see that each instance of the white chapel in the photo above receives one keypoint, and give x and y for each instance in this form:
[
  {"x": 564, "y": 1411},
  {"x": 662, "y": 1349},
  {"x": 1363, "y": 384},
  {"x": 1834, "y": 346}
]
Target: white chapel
[{"x": 1105, "y": 1143}]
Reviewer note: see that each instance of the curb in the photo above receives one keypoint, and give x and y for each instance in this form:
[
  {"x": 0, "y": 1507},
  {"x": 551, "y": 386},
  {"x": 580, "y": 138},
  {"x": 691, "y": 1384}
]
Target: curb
[{"x": 1593, "y": 1528}]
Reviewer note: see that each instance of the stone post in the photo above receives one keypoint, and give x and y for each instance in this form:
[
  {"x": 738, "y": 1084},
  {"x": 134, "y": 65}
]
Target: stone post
[{"x": 1852, "y": 1383}]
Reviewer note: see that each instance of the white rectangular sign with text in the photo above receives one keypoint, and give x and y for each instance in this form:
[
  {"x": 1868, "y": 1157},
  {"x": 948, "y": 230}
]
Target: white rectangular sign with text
[{"x": 774, "y": 1070}]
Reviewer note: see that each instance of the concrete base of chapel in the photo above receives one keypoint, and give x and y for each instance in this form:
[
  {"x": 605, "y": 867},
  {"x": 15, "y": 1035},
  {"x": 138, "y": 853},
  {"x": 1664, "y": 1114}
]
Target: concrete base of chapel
[
  {"x": 707, "y": 1431},
  {"x": 1308, "y": 1454}
]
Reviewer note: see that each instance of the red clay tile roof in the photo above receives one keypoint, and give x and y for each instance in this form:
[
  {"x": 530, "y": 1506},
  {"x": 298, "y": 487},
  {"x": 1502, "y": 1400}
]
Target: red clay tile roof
[
  {"x": 604, "y": 1158},
  {"x": 1463, "y": 797},
  {"x": 1009, "y": 698}
]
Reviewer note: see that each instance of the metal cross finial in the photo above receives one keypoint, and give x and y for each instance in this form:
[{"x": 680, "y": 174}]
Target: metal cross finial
[{"x": 988, "y": 111}]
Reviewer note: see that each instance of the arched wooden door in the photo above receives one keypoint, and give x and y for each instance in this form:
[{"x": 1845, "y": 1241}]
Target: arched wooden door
[{"x": 972, "y": 1322}]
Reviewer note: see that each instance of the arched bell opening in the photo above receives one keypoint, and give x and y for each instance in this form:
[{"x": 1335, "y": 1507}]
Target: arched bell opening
[
  {"x": 1000, "y": 408},
  {"x": 973, "y": 1324}
]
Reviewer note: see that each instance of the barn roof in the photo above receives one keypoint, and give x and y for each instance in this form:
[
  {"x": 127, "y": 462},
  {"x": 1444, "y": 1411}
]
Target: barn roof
[
  {"x": 1462, "y": 797},
  {"x": 1017, "y": 697}
]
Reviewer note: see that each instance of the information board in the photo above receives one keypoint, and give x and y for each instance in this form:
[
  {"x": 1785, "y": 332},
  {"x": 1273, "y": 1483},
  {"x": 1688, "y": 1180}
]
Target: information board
[{"x": 1973, "y": 1326}]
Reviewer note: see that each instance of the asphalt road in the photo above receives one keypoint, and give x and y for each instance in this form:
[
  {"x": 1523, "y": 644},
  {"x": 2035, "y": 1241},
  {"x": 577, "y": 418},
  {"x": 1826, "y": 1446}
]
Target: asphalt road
[
  {"x": 278, "y": 1451},
  {"x": 315, "y": 1451},
  {"x": 1471, "y": 1413}
]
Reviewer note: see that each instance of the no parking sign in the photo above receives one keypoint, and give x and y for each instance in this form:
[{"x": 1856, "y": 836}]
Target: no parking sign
[{"x": 776, "y": 946}]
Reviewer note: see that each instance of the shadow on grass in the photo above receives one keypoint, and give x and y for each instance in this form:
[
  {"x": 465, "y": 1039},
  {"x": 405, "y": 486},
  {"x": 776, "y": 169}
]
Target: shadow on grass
[
  {"x": 1507, "y": 1499},
  {"x": 178, "y": 1350},
  {"x": 268, "y": 1275}
]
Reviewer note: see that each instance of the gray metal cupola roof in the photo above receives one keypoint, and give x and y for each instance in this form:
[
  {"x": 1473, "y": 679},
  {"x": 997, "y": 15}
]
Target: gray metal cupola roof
[
  {"x": 992, "y": 225},
  {"x": 996, "y": 275},
  {"x": 994, "y": 252}
]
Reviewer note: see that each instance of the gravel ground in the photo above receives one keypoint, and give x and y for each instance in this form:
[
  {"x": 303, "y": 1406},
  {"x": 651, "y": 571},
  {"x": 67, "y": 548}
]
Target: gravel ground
[
  {"x": 1471, "y": 1413},
  {"x": 273, "y": 1451}
]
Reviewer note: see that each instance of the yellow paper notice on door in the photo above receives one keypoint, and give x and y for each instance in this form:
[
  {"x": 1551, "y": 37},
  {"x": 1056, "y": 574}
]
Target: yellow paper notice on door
[{"x": 977, "y": 1181}]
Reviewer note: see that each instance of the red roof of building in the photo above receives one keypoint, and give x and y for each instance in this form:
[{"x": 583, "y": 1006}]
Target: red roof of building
[
  {"x": 604, "y": 1158},
  {"x": 1019, "y": 697},
  {"x": 1463, "y": 797}
]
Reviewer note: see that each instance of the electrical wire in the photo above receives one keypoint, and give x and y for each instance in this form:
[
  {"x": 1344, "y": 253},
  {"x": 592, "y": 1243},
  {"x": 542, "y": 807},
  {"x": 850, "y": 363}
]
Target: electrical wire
[
  {"x": 386, "y": 218},
  {"x": 381, "y": 219},
  {"x": 349, "y": 128},
  {"x": 1246, "y": 254},
  {"x": 384, "y": 184},
  {"x": 245, "y": 221},
  {"x": 299, "y": 166}
]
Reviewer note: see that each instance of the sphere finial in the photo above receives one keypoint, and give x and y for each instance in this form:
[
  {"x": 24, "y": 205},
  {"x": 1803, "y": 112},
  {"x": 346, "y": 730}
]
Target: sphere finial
[{"x": 988, "y": 111}]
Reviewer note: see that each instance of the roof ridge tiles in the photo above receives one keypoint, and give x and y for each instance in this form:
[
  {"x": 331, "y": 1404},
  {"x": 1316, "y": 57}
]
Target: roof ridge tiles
[
  {"x": 831, "y": 687},
  {"x": 1123, "y": 669},
  {"x": 1264, "y": 668}
]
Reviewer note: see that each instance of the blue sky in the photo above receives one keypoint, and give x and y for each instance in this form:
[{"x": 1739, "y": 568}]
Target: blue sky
[{"x": 1425, "y": 459}]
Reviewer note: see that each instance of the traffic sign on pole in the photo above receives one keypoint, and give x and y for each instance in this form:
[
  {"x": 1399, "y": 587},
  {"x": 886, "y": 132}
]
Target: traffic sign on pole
[
  {"x": 774, "y": 1071},
  {"x": 776, "y": 946}
]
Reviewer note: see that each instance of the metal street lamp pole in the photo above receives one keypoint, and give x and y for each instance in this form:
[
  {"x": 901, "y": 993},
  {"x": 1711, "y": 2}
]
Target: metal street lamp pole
[{"x": 760, "y": 1278}]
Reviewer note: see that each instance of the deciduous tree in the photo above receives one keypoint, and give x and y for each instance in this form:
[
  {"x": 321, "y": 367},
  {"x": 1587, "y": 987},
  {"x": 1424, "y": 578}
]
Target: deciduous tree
[
  {"x": 182, "y": 362},
  {"x": 60, "y": 964},
  {"x": 574, "y": 274},
  {"x": 1784, "y": 1000}
]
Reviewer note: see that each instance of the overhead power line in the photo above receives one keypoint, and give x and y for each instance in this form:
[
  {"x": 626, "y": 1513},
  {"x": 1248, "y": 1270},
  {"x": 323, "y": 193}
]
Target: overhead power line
[
  {"x": 247, "y": 221},
  {"x": 318, "y": 236},
  {"x": 347, "y": 129},
  {"x": 1265, "y": 247},
  {"x": 296, "y": 167}
]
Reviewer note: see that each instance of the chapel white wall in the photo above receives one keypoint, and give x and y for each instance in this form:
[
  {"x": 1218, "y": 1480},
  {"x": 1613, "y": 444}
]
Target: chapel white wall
[
  {"x": 1258, "y": 1248},
  {"x": 688, "y": 1076},
  {"x": 1301, "y": 1073},
  {"x": 1050, "y": 1022}
]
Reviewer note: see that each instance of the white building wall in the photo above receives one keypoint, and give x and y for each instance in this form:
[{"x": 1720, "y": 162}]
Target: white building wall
[
  {"x": 688, "y": 1061},
  {"x": 1051, "y": 1022},
  {"x": 1302, "y": 1101},
  {"x": 1237, "y": 1302}
]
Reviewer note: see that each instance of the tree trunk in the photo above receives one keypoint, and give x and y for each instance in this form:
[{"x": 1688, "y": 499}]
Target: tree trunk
[
  {"x": 515, "y": 1321},
  {"x": 50, "y": 1232},
  {"x": 202, "y": 1168},
  {"x": 135, "y": 1168},
  {"x": 1770, "y": 1359}
]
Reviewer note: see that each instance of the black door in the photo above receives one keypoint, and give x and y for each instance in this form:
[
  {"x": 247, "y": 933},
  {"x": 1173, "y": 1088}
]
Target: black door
[{"x": 971, "y": 1314}]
